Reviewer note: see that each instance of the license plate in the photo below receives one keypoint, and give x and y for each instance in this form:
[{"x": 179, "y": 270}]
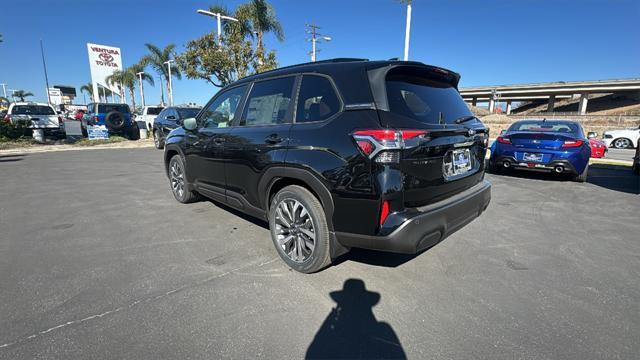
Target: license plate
[
  {"x": 532, "y": 157},
  {"x": 458, "y": 163}
]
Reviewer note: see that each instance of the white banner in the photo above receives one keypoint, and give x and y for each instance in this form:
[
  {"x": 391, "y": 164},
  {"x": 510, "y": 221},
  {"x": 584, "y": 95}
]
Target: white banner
[{"x": 103, "y": 60}]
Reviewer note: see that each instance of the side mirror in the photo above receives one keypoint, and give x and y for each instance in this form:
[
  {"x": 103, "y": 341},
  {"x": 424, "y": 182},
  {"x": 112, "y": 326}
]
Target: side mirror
[
  {"x": 189, "y": 124},
  {"x": 592, "y": 135}
]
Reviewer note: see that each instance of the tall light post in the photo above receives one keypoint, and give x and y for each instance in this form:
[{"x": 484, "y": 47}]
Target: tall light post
[
  {"x": 219, "y": 18},
  {"x": 170, "y": 88},
  {"x": 315, "y": 38},
  {"x": 141, "y": 86},
  {"x": 407, "y": 31},
  {"x": 4, "y": 89}
]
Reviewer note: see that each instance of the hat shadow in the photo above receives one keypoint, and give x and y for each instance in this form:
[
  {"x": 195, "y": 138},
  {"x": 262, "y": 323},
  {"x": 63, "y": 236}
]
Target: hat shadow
[{"x": 351, "y": 331}]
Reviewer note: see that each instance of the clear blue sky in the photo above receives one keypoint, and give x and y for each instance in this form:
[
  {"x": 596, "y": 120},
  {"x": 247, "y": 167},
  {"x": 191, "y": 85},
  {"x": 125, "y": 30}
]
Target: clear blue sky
[{"x": 488, "y": 42}]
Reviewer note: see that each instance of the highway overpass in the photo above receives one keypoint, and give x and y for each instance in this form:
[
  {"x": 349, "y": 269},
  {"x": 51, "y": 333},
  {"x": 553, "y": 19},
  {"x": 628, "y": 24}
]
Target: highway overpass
[{"x": 547, "y": 91}]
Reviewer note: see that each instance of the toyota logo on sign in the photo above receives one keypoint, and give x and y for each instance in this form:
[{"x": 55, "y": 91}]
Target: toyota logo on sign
[{"x": 107, "y": 58}]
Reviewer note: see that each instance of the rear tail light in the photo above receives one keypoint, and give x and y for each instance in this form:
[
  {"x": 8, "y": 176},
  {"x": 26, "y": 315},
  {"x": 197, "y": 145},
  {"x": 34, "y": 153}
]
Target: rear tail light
[
  {"x": 366, "y": 146},
  {"x": 504, "y": 140},
  {"x": 384, "y": 212},
  {"x": 7, "y": 118},
  {"x": 60, "y": 119},
  {"x": 572, "y": 143},
  {"x": 375, "y": 141}
]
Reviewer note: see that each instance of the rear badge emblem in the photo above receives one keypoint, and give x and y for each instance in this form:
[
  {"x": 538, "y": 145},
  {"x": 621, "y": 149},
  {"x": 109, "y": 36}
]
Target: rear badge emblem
[{"x": 472, "y": 132}]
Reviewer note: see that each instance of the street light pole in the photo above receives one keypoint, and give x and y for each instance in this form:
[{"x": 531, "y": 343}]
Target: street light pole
[
  {"x": 4, "y": 90},
  {"x": 219, "y": 18},
  {"x": 170, "y": 88},
  {"x": 141, "y": 87},
  {"x": 407, "y": 32},
  {"x": 315, "y": 38},
  {"x": 46, "y": 78}
]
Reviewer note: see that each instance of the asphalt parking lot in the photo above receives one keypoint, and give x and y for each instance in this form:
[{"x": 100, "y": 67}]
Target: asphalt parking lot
[{"x": 97, "y": 260}]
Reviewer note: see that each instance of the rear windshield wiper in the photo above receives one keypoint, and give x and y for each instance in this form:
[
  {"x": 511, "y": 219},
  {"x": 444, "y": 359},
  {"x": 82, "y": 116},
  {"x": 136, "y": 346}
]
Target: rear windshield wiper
[{"x": 464, "y": 119}]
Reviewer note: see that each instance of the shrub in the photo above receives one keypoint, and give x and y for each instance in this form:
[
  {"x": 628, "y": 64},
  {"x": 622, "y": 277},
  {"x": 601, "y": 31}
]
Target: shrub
[{"x": 13, "y": 131}]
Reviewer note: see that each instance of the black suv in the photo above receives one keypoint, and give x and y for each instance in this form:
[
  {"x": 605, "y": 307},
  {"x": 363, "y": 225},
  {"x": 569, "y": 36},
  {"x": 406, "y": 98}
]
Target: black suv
[
  {"x": 337, "y": 154},
  {"x": 169, "y": 119}
]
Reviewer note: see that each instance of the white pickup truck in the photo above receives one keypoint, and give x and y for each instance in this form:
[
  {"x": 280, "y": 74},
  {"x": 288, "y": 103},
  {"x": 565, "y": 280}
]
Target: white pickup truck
[{"x": 148, "y": 115}]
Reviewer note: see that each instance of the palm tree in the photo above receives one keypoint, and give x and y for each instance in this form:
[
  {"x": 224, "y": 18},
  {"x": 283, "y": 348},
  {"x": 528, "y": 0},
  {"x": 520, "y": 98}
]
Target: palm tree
[
  {"x": 88, "y": 88},
  {"x": 22, "y": 94},
  {"x": 157, "y": 58},
  {"x": 134, "y": 70},
  {"x": 120, "y": 79},
  {"x": 262, "y": 19}
]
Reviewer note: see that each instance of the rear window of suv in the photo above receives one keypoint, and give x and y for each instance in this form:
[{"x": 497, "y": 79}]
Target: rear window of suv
[
  {"x": 423, "y": 99},
  {"x": 107, "y": 108},
  {"x": 154, "y": 110},
  {"x": 32, "y": 109}
]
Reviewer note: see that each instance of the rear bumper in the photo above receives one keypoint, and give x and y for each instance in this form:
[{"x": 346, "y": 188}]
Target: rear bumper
[
  {"x": 428, "y": 225},
  {"x": 566, "y": 165}
]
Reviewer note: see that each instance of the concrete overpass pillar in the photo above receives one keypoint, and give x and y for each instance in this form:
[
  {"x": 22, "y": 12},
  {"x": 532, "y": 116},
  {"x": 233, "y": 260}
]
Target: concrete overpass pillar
[
  {"x": 509, "y": 107},
  {"x": 552, "y": 103},
  {"x": 582, "y": 107},
  {"x": 474, "y": 101},
  {"x": 492, "y": 105}
]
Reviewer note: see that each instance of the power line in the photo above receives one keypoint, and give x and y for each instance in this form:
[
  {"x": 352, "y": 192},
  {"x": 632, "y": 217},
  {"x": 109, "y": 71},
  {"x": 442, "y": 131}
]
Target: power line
[{"x": 312, "y": 29}]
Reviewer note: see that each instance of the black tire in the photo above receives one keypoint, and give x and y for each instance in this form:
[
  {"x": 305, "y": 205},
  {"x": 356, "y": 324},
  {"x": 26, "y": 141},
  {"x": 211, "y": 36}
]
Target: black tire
[
  {"x": 176, "y": 172},
  {"x": 157, "y": 140},
  {"x": 133, "y": 133},
  {"x": 114, "y": 120},
  {"x": 319, "y": 257},
  {"x": 583, "y": 176},
  {"x": 492, "y": 168},
  {"x": 629, "y": 143}
]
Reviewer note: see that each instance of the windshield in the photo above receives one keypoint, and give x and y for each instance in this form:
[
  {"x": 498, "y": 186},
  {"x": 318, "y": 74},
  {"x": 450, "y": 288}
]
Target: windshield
[
  {"x": 188, "y": 112},
  {"x": 107, "y": 108},
  {"x": 154, "y": 110},
  {"x": 547, "y": 126},
  {"x": 424, "y": 99},
  {"x": 32, "y": 110}
]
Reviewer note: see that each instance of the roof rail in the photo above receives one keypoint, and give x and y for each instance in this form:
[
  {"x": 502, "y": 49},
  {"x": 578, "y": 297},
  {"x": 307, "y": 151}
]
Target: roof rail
[{"x": 334, "y": 60}]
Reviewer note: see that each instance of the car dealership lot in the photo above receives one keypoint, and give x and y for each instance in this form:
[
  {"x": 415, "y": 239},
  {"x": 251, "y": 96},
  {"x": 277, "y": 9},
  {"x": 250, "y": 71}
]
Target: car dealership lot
[{"x": 97, "y": 260}]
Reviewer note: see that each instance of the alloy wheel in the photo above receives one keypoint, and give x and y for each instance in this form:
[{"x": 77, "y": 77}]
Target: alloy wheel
[
  {"x": 621, "y": 143},
  {"x": 295, "y": 232},
  {"x": 177, "y": 179}
]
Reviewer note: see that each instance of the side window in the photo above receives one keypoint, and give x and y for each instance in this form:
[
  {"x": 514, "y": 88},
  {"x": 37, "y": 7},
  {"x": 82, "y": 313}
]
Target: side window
[
  {"x": 161, "y": 116},
  {"x": 171, "y": 115},
  {"x": 268, "y": 102},
  {"x": 317, "y": 100},
  {"x": 221, "y": 111}
]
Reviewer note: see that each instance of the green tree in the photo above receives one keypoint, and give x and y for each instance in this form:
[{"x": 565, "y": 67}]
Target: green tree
[
  {"x": 234, "y": 57},
  {"x": 158, "y": 57},
  {"x": 88, "y": 88},
  {"x": 120, "y": 79},
  {"x": 22, "y": 94},
  {"x": 261, "y": 18},
  {"x": 127, "y": 78}
]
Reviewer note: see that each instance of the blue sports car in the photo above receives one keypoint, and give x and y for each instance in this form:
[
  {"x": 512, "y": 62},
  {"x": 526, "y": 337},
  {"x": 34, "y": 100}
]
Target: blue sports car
[{"x": 558, "y": 146}]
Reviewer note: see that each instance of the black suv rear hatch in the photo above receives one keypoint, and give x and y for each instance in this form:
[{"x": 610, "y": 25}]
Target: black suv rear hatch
[{"x": 450, "y": 157}]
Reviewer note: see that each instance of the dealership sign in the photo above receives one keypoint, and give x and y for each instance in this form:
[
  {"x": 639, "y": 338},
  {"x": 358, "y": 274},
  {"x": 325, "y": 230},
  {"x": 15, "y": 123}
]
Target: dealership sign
[{"x": 103, "y": 60}]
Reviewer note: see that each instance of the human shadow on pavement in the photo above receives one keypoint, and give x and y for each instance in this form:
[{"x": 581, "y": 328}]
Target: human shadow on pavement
[
  {"x": 351, "y": 331},
  {"x": 11, "y": 157}
]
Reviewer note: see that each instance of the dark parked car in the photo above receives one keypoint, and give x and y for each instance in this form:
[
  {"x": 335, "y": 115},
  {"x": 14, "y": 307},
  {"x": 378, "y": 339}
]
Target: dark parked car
[
  {"x": 169, "y": 119},
  {"x": 338, "y": 154},
  {"x": 116, "y": 117}
]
